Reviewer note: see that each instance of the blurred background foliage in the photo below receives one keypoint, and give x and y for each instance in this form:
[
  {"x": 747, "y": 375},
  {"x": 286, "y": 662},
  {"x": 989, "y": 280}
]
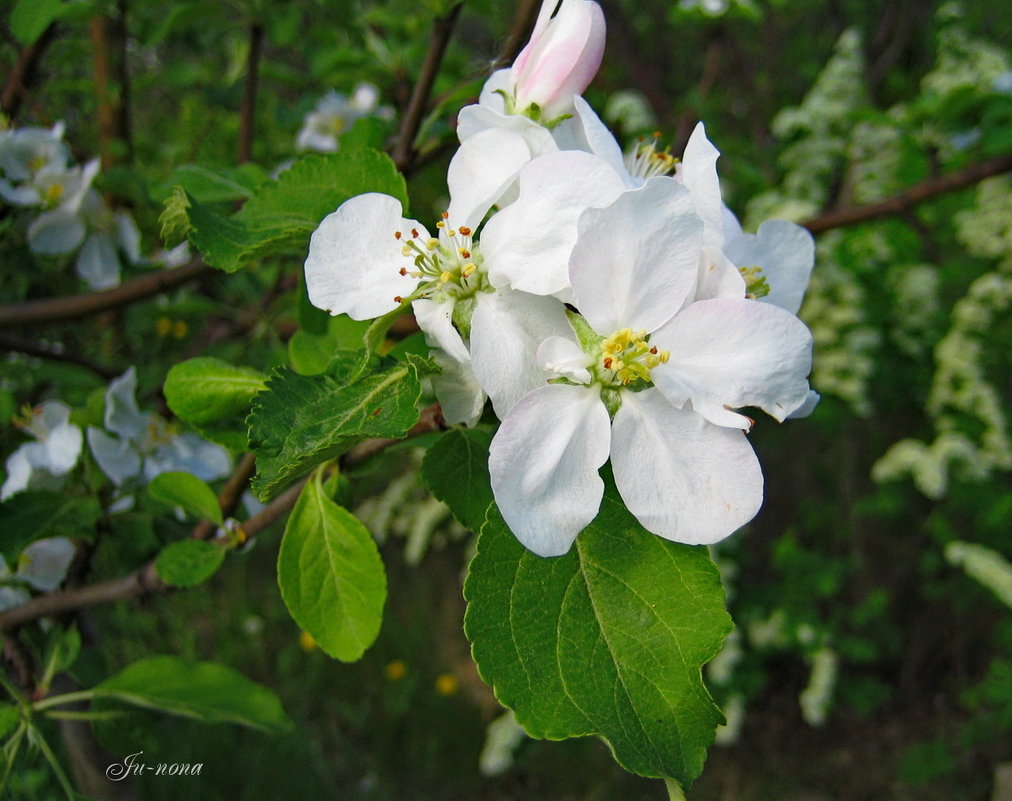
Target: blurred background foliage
[{"x": 873, "y": 655}]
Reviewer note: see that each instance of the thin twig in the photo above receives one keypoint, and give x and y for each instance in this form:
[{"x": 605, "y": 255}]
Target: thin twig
[
  {"x": 918, "y": 193},
  {"x": 247, "y": 112},
  {"x": 230, "y": 495},
  {"x": 24, "y": 73},
  {"x": 53, "y": 310},
  {"x": 146, "y": 581},
  {"x": 442, "y": 27},
  {"x": 520, "y": 31},
  {"x": 41, "y": 351}
]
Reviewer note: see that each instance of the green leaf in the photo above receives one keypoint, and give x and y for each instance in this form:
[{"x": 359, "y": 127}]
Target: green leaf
[
  {"x": 187, "y": 563},
  {"x": 282, "y": 214},
  {"x": 331, "y": 575},
  {"x": 205, "y": 391},
  {"x": 608, "y": 639},
  {"x": 301, "y": 421},
  {"x": 179, "y": 488},
  {"x": 310, "y": 353},
  {"x": 30, "y": 516},
  {"x": 455, "y": 470},
  {"x": 207, "y": 691},
  {"x": 63, "y": 646},
  {"x": 31, "y": 17},
  {"x": 10, "y": 715},
  {"x": 217, "y": 185}
]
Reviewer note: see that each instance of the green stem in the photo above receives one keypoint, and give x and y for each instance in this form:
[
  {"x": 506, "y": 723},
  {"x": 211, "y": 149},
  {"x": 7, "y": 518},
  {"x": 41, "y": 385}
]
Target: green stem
[
  {"x": 10, "y": 750},
  {"x": 70, "y": 714},
  {"x": 12, "y": 691},
  {"x": 675, "y": 791},
  {"x": 60, "y": 700},
  {"x": 54, "y": 763}
]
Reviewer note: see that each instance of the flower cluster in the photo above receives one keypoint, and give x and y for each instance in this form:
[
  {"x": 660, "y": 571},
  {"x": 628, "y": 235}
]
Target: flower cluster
[
  {"x": 607, "y": 304},
  {"x": 35, "y": 172},
  {"x": 335, "y": 113}
]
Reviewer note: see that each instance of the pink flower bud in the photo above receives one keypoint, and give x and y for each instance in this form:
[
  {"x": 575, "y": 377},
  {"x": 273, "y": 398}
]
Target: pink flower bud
[{"x": 561, "y": 58}]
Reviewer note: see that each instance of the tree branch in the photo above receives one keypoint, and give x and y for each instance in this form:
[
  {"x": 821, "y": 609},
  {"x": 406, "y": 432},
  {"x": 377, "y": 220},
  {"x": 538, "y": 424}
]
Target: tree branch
[
  {"x": 145, "y": 580},
  {"x": 918, "y": 193},
  {"x": 442, "y": 28},
  {"x": 53, "y": 310},
  {"x": 41, "y": 351},
  {"x": 23, "y": 74},
  {"x": 247, "y": 112},
  {"x": 520, "y": 31}
]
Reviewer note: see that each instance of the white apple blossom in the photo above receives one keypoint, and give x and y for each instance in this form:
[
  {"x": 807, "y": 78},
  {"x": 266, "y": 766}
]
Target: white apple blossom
[
  {"x": 53, "y": 454},
  {"x": 26, "y": 151},
  {"x": 42, "y": 565},
  {"x": 649, "y": 381},
  {"x": 137, "y": 446},
  {"x": 335, "y": 113}
]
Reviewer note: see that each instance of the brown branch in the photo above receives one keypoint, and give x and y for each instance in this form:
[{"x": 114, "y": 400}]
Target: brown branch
[
  {"x": 918, "y": 193},
  {"x": 520, "y": 31},
  {"x": 53, "y": 310},
  {"x": 442, "y": 28},
  {"x": 228, "y": 498},
  {"x": 108, "y": 34},
  {"x": 247, "y": 111},
  {"x": 41, "y": 351},
  {"x": 24, "y": 73},
  {"x": 145, "y": 580}
]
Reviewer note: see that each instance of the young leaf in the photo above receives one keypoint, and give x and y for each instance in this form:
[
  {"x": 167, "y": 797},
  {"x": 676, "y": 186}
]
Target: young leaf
[
  {"x": 205, "y": 391},
  {"x": 331, "y": 575},
  {"x": 31, "y": 17},
  {"x": 187, "y": 563},
  {"x": 608, "y": 639},
  {"x": 179, "y": 488},
  {"x": 455, "y": 470},
  {"x": 301, "y": 421},
  {"x": 207, "y": 691}
]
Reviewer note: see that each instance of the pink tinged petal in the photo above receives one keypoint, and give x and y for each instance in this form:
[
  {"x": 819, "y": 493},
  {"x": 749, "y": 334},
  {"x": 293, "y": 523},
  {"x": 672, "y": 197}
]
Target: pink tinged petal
[
  {"x": 527, "y": 244},
  {"x": 731, "y": 353},
  {"x": 481, "y": 171},
  {"x": 718, "y": 276},
  {"x": 544, "y": 461},
  {"x": 355, "y": 260},
  {"x": 635, "y": 262},
  {"x": 698, "y": 171},
  {"x": 460, "y": 397},
  {"x": 785, "y": 253},
  {"x": 683, "y": 478},
  {"x": 435, "y": 318},
  {"x": 562, "y": 356},
  {"x": 506, "y": 329}
]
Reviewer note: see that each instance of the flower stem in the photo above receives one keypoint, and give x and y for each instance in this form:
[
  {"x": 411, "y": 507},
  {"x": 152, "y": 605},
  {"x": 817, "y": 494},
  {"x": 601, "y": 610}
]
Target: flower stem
[
  {"x": 60, "y": 700},
  {"x": 675, "y": 791}
]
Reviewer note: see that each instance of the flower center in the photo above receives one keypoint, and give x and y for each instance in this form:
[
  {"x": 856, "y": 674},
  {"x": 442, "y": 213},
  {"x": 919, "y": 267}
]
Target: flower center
[
  {"x": 449, "y": 266},
  {"x": 626, "y": 357},
  {"x": 756, "y": 285},
  {"x": 645, "y": 159},
  {"x": 52, "y": 194}
]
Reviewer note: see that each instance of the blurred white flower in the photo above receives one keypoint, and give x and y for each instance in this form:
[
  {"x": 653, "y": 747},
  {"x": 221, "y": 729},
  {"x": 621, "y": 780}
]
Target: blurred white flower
[
  {"x": 42, "y": 565},
  {"x": 53, "y": 454},
  {"x": 335, "y": 113},
  {"x": 27, "y": 151}
]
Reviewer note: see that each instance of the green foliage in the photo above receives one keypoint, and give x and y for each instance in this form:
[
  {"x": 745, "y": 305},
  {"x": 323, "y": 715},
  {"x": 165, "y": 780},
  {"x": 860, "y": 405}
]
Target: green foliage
[
  {"x": 189, "y": 492},
  {"x": 301, "y": 421},
  {"x": 204, "y": 690},
  {"x": 30, "y": 516},
  {"x": 455, "y": 470},
  {"x": 331, "y": 575},
  {"x": 282, "y": 214},
  {"x": 608, "y": 639},
  {"x": 31, "y": 17},
  {"x": 187, "y": 563}
]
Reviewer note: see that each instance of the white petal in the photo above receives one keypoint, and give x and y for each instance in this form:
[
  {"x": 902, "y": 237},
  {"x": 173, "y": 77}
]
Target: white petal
[
  {"x": 481, "y": 171},
  {"x": 472, "y": 120},
  {"x": 543, "y": 462},
  {"x": 24, "y": 195},
  {"x": 527, "y": 244},
  {"x": 698, "y": 171},
  {"x": 48, "y": 417},
  {"x": 585, "y": 131},
  {"x": 97, "y": 262},
  {"x": 636, "y": 261},
  {"x": 435, "y": 318},
  {"x": 117, "y": 457},
  {"x": 461, "y": 398},
  {"x": 506, "y": 329},
  {"x": 490, "y": 97},
  {"x": 62, "y": 448},
  {"x": 43, "y": 564},
  {"x": 191, "y": 454},
  {"x": 355, "y": 260},
  {"x": 128, "y": 236},
  {"x": 121, "y": 413},
  {"x": 785, "y": 253},
  {"x": 718, "y": 277},
  {"x": 562, "y": 356},
  {"x": 54, "y": 233},
  {"x": 683, "y": 478},
  {"x": 807, "y": 407},
  {"x": 19, "y": 472},
  {"x": 735, "y": 353}
]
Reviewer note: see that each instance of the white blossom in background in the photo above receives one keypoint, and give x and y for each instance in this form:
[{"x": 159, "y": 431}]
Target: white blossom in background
[
  {"x": 335, "y": 113},
  {"x": 53, "y": 454},
  {"x": 24, "y": 152},
  {"x": 136, "y": 446},
  {"x": 42, "y": 565}
]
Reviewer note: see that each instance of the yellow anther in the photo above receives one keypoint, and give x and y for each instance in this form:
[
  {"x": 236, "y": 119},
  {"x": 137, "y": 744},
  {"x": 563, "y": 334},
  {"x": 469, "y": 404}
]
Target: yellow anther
[
  {"x": 441, "y": 224},
  {"x": 53, "y": 194},
  {"x": 451, "y": 232},
  {"x": 664, "y": 355},
  {"x": 446, "y": 276},
  {"x": 432, "y": 243},
  {"x": 406, "y": 250},
  {"x": 468, "y": 270}
]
